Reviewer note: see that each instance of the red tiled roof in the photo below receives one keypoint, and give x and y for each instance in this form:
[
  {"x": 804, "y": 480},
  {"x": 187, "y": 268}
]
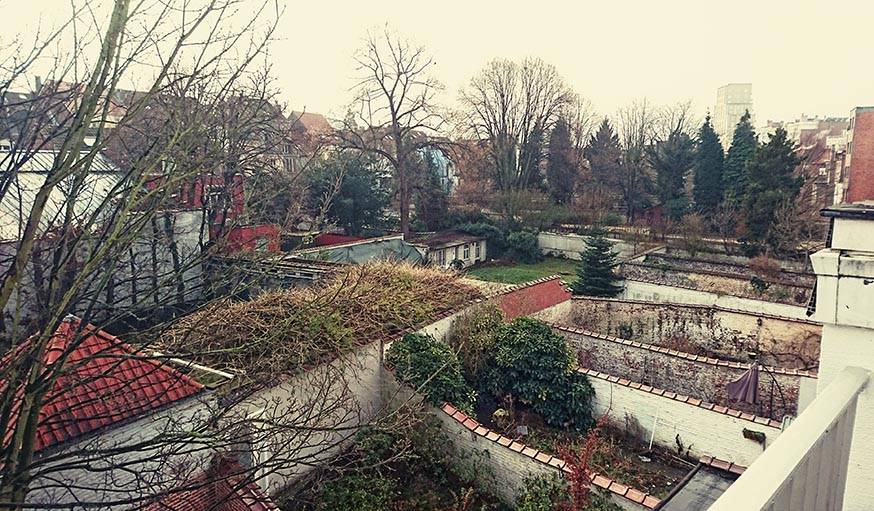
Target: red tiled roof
[
  {"x": 102, "y": 381},
  {"x": 221, "y": 488}
]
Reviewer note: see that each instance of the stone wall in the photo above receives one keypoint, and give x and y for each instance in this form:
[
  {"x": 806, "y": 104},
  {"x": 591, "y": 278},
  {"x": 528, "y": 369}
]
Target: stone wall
[
  {"x": 715, "y": 282},
  {"x": 697, "y": 329},
  {"x": 658, "y": 292},
  {"x": 697, "y": 376},
  {"x": 674, "y": 420},
  {"x": 743, "y": 270}
]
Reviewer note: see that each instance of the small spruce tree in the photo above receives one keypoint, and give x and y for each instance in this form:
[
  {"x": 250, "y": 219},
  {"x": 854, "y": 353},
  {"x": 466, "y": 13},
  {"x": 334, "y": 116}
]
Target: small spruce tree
[{"x": 595, "y": 275}]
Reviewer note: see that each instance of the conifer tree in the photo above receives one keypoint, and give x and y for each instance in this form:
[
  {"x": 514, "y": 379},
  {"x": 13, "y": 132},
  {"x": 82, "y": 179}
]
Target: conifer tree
[
  {"x": 771, "y": 181},
  {"x": 742, "y": 150},
  {"x": 671, "y": 159},
  {"x": 605, "y": 156},
  {"x": 708, "y": 169},
  {"x": 595, "y": 275},
  {"x": 562, "y": 164}
]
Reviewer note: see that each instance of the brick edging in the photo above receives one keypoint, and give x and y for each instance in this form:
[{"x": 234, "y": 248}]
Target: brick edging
[
  {"x": 605, "y": 483},
  {"x": 719, "y": 308},
  {"x": 680, "y": 354},
  {"x": 727, "y": 466},
  {"x": 731, "y": 412}
]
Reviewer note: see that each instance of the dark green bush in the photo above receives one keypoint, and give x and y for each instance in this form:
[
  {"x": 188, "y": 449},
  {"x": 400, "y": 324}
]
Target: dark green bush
[
  {"x": 432, "y": 368},
  {"x": 364, "y": 492},
  {"x": 522, "y": 247},
  {"x": 543, "y": 493},
  {"x": 535, "y": 366},
  {"x": 496, "y": 241}
]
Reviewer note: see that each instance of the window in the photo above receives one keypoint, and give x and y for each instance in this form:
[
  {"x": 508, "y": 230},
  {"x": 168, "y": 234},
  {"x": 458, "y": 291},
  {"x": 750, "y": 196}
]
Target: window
[
  {"x": 476, "y": 250},
  {"x": 456, "y": 254},
  {"x": 467, "y": 251},
  {"x": 441, "y": 257}
]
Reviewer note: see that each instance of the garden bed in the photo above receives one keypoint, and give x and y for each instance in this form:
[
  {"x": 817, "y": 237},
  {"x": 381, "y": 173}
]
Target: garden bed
[{"x": 618, "y": 454}]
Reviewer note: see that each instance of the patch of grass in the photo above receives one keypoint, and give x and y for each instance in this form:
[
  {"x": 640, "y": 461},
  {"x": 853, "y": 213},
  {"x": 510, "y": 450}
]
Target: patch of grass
[{"x": 521, "y": 272}]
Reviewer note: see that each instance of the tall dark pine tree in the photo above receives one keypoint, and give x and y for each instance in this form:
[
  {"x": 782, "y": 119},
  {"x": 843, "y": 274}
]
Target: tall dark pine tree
[
  {"x": 742, "y": 150},
  {"x": 672, "y": 159},
  {"x": 707, "y": 180},
  {"x": 771, "y": 181},
  {"x": 604, "y": 154},
  {"x": 595, "y": 275},
  {"x": 562, "y": 164}
]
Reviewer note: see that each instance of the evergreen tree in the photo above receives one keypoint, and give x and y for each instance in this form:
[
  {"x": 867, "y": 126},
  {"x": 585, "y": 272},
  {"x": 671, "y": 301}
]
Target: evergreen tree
[
  {"x": 350, "y": 182},
  {"x": 742, "y": 150},
  {"x": 595, "y": 275},
  {"x": 562, "y": 164},
  {"x": 430, "y": 198},
  {"x": 771, "y": 181},
  {"x": 708, "y": 169},
  {"x": 604, "y": 154},
  {"x": 672, "y": 159}
]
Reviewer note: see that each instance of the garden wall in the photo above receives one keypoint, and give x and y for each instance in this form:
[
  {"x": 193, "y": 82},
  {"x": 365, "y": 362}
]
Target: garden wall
[
  {"x": 716, "y": 282},
  {"x": 570, "y": 245},
  {"x": 672, "y": 419},
  {"x": 698, "y": 376},
  {"x": 652, "y": 291},
  {"x": 697, "y": 329},
  {"x": 502, "y": 464}
]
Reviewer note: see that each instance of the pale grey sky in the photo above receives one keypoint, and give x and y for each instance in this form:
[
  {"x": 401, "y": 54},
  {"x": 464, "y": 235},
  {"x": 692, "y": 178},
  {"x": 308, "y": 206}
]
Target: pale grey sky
[{"x": 802, "y": 56}]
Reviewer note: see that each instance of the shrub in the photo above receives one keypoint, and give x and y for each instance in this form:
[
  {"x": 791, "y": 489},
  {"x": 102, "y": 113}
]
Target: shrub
[
  {"x": 543, "y": 493},
  {"x": 357, "y": 491},
  {"x": 534, "y": 365},
  {"x": 432, "y": 368},
  {"x": 496, "y": 241},
  {"x": 522, "y": 247},
  {"x": 472, "y": 336}
]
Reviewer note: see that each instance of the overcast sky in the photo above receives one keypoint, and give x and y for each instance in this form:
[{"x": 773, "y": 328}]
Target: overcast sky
[{"x": 802, "y": 56}]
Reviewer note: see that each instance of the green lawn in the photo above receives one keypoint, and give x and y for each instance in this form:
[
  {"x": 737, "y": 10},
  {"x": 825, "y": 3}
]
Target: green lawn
[{"x": 518, "y": 273}]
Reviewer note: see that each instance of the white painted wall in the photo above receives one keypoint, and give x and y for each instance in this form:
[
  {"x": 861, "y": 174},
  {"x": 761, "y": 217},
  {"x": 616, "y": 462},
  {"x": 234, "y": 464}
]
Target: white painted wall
[
  {"x": 702, "y": 431},
  {"x": 570, "y": 245},
  {"x": 636, "y": 290}
]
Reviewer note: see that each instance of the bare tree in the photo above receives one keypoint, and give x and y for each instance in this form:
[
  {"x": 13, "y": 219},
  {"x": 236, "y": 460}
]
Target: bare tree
[
  {"x": 514, "y": 106},
  {"x": 635, "y": 125},
  {"x": 395, "y": 114}
]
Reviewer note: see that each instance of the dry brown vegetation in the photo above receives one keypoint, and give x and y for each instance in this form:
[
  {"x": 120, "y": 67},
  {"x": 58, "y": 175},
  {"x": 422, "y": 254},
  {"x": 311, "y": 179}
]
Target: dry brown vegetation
[{"x": 283, "y": 331}]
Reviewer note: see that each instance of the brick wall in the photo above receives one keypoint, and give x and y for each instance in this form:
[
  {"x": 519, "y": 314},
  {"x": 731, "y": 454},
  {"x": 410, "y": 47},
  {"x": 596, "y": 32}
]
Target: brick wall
[
  {"x": 700, "y": 377},
  {"x": 702, "y": 428},
  {"x": 697, "y": 329},
  {"x": 532, "y": 297},
  {"x": 861, "y": 181}
]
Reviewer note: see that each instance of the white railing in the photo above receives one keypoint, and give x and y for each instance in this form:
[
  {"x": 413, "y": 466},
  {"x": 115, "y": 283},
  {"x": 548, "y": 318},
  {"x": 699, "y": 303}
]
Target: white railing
[{"x": 806, "y": 467}]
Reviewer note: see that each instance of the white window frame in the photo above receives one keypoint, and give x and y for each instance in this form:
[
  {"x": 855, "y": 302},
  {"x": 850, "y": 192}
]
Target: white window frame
[{"x": 466, "y": 251}]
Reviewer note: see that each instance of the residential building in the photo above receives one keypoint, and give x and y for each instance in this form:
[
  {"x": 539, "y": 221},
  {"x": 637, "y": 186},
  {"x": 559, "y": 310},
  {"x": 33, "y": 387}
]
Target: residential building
[
  {"x": 857, "y": 179},
  {"x": 732, "y": 101},
  {"x": 823, "y": 460},
  {"x": 452, "y": 249}
]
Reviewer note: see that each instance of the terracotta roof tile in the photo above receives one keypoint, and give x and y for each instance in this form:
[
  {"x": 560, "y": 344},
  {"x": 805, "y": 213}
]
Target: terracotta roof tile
[{"x": 104, "y": 382}]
